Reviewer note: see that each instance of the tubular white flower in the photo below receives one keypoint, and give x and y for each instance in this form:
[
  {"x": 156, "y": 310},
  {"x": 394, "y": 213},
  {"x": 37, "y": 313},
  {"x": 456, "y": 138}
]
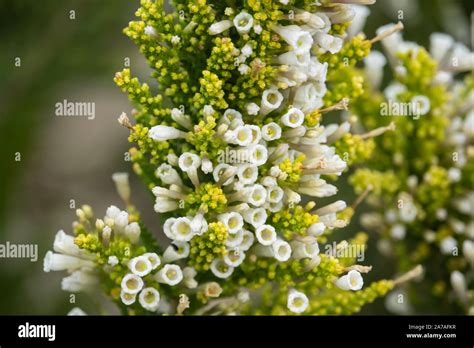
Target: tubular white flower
[
  {"x": 164, "y": 133},
  {"x": 243, "y": 22},
  {"x": 391, "y": 43},
  {"x": 297, "y": 301},
  {"x": 230, "y": 115},
  {"x": 207, "y": 166},
  {"x": 188, "y": 274},
  {"x": 176, "y": 251},
  {"x": 183, "y": 120},
  {"x": 164, "y": 205},
  {"x": 235, "y": 239},
  {"x": 293, "y": 118},
  {"x": 257, "y": 195},
  {"x": 234, "y": 258},
  {"x": 247, "y": 240},
  {"x": 132, "y": 231},
  {"x": 271, "y": 100},
  {"x": 132, "y": 283},
  {"x": 328, "y": 42},
  {"x": 78, "y": 281},
  {"x": 247, "y": 50},
  {"x": 60, "y": 262},
  {"x": 167, "y": 228},
  {"x": 316, "y": 70},
  {"x": 358, "y": 22},
  {"x": 266, "y": 234},
  {"x": 256, "y": 134},
  {"x": 316, "y": 229},
  {"x": 440, "y": 44},
  {"x": 122, "y": 185},
  {"x": 154, "y": 259},
  {"x": 182, "y": 230},
  {"x": 127, "y": 298},
  {"x": 220, "y": 269},
  {"x": 233, "y": 221},
  {"x": 256, "y": 217},
  {"x": 169, "y": 274},
  {"x": 258, "y": 154},
  {"x": 274, "y": 194},
  {"x": 121, "y": 220},
  {"x": 271, "y": 131},
  {"x": 149, "y": 298},
  {"x": 351, "y": 281},
  {"x": 64, "y": 244},
  {"x": 301, "y": 59},
  {"x": 140, "y": 265},
  {"x": 242, "y": 135},
  {"x": 468, "y": 251},
  {"x": 458, "y": 282},
  {"x": 168, "y": 175},
  {"x": 304, "y": 250},
  {"x": 247, "y": 174},
  {"x": 308, "y": 98},
  {"x": 281, "y": 250},
  {"x": 297, "y": 38},
  {"x": 252, "y": 108},
  {"x": 188, "y": 161},
  {"x": 219, "y": 171},
  {"x": 220, "y": 27},
  {"x": 373, "y": 67}
]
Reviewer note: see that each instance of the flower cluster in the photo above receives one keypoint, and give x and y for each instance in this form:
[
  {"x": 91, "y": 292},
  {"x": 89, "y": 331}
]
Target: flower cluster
[
  {"x": 423, "y": 212},
  {"x": 233, "y": 150}
]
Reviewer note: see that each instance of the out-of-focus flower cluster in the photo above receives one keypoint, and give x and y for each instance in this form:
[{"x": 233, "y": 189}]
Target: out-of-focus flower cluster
[
  {"x": 233, "y": 150},
  {"x": 421, "y": 176}
]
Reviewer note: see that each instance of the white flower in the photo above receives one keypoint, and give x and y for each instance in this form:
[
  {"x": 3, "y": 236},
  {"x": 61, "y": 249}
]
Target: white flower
[
  {"x": 242, "y": 135},
  {"x": 243, "y": 22},
  {"x": 247, "y": 50},
  {"x": 188, "y": 161},
  {"x": 60, "y": 262},
  {"x": 149, "y": 298},
  {"x": 132, "y": 283},
  {"x": 169, "y": 274},
  {"x": 219, "y": 171},
  {"x": 220, "y": 27},
  {"x": 189, "y": 273},
  {"x": 121, "y": 220},
  {"x": 256, "y": 217},
  {"x": 183, "y": 120},
  {"x": 297, "y": 301},
  {"x": 182, "y": 230},
  {"x": 230, "y": 115},
  {"x": 79, "y": 280},
  {"x": 122, "y": 185},
  {"x": 127, "y": 298},
  {"x": 258, "y": 154},
  {"x": 393, "y": 90},
  {"x": 64, "y": 244},
  {"x": 220, "y": 269},
  {"x": 299, "y": 39},
  {"x": 257, "y": 28},
  {"x": 316, "y": 70},
  {"x": 234, "y": 258},
  {"x": 233, "y": 221},
  {"x": 373, "y": 67},
  {"x": 308, "y": 97},
  {"x": 454, "y": 174},
  {"x": 154, "y": 259},
  {"x": 281, "y": 250},
  {"x": 252, "y": 108},
  {"x": 266, "y": 234},
  {"x": 440, "y": 44},
  {"x": 163, "y": 133},
  {"x": 247, "y": 174},
  {"x": 274, "y": 194},
  {"x": 168, "y": 175},
  {"x": 448, "y": 245},
  {"x": 316, "y": 229},
  {"x": 271, "y": 131},
  {"x": 468, "y": 250},
  {"x": 408, "y": 212},
  {"x": 140, "y": 266},
  {"x": 257, "y": 195},
  {"x": 328, "y": 42},
  {"x": 421, "y": 104},
  {"x": 235, "y": 239},
  {"x": 247, "y": 240},
  {"x": 112, "y": 260},
  {"x": 150, "y": 31},
  {"x": 300, "y": 59},
  {"x": 458, "y": 282},
  {"x": 176, "y": 251},
  {"x": 175, "y": 39},
  {"x": 358, "y": 22},
  {"x": 271, "y": 100},
  {"x": 164, "y": 205},
  {"x": 132, "y": 231},
  {"x": 351, "y": 281},
  {"x": 243, "y": 69},
  {"x": 304, "y": 250},
  {"x": 293, "y": 118},
  {"x": 398, "y": 231}
]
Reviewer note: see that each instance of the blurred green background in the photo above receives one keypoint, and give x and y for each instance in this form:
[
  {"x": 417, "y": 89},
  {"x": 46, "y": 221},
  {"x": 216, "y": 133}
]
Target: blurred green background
[{"x": 64, "y": 158}]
